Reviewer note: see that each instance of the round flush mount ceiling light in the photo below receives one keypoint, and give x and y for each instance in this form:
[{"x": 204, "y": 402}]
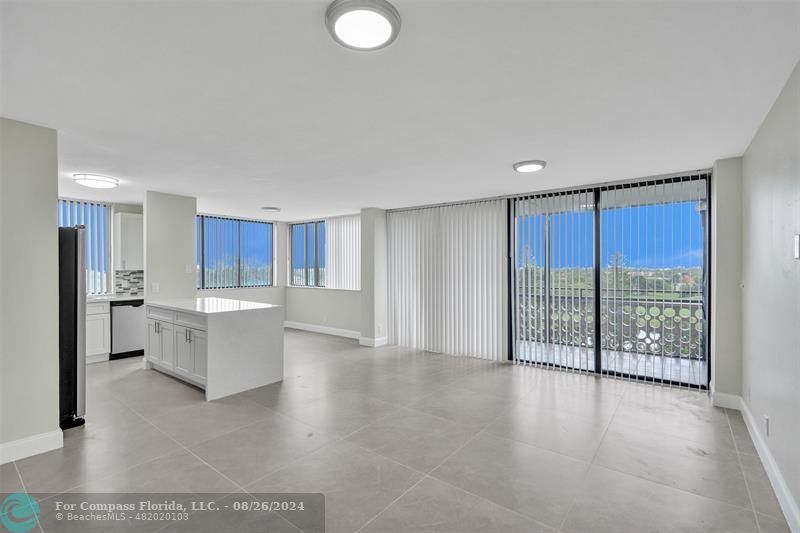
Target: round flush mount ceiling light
[
  {"x": 95, "y": 181},
  {"x": 363, "y": 24},
  {"x": 270, "y": 209},
  {"x": 534, "y": 165}
]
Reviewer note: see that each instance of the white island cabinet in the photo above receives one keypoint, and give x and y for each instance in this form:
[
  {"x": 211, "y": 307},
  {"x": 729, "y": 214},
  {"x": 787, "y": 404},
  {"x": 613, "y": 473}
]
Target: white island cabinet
[{"x": 223, "y": 346}]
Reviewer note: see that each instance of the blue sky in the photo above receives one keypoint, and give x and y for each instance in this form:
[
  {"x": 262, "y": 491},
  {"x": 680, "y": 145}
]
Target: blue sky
[
  {"x": 222, "y": 241},
  {"x": 653, "y": 236},
  {"x": 298, "y": 242}
]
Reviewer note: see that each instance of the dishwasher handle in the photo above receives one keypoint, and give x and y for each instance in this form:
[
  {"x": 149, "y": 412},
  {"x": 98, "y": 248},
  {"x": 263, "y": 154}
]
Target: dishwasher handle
[{"x": 130, "y": 303}]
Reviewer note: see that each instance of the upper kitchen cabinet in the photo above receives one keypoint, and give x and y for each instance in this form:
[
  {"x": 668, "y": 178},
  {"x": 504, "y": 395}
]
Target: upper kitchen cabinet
[{"x": 128, "y": 241}]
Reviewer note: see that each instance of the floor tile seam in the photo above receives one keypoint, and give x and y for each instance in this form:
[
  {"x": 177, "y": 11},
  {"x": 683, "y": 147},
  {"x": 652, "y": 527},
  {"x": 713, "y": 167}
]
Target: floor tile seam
[
  {"x": 25, "y": 491},
  {"x": 498, "y": 504},
  {"x": 591, "y": 463},
  {"x": 684, "y": 491},
  {"x": 196, "y": 456},
  {"x": 744, "y": 475}
]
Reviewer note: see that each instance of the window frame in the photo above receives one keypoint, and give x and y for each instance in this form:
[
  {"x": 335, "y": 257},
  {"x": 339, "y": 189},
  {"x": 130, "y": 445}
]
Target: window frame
[
  {"x": 200, "y": 218},
  {"x": 306, "y": 269}
]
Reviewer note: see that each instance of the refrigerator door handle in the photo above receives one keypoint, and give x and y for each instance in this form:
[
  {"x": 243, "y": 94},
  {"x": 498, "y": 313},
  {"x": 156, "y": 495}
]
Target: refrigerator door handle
[{"x": 80, "y": 313}]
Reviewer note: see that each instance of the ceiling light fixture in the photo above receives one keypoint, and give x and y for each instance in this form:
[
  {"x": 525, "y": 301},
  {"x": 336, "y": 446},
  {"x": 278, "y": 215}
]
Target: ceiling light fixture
[
  {"x": 534, "y": 165},
  {"x": 96, "y": 181},
  {"x": 363, "y": 24},
  {"x": 271, "y": 209}
]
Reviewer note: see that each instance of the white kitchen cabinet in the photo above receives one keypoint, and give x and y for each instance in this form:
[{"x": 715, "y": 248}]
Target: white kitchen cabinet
[
  {"x": 98, "y": 336},
  {"x": 191, "y": 347},
  {"x": 153, "y": 346},
  {"x": 98, "y": 332},
  {"x": 223, "y": 346},
  {"x": 128, "y": 241},
  {"x": 160, "y": 347}
]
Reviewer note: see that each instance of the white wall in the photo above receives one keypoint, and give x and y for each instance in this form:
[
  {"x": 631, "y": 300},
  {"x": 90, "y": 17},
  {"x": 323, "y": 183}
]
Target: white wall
[
  {"x": 373, "y": 277},
  {"x": 771, "y": 294},
  {"x": 726, "y": 279},
  {"x": 328, "y": 308},
  {"x": 129, "y": 208},
  {"x": 267, "y": 295},
  {"x": 169, "y": 246},
  {"x": 29, "y": 288}
]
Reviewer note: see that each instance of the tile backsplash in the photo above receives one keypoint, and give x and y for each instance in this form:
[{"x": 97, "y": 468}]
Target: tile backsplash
[{"x": 129, "y": 282}]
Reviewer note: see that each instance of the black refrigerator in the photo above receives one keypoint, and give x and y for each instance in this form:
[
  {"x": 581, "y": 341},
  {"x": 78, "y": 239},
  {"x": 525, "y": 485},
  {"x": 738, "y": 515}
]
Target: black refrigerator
[{"x": 72, "y": 326}]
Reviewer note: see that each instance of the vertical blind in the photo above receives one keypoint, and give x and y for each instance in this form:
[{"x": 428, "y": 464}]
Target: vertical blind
[
  {"x": 447, "y": 279},
  {"x": 653, "y": 280},
  {"x": 554, "y": 280},
  {"x": 94, "y": 216},
  {"x": 233, "y": 253},
  {"x": 612, "y": 280},
  {"x": 343, "y": 252}
]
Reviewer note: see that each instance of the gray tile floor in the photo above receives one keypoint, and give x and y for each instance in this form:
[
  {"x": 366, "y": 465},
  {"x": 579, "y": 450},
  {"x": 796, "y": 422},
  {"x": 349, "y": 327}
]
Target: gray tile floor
[{"x": 400, "y": 440}]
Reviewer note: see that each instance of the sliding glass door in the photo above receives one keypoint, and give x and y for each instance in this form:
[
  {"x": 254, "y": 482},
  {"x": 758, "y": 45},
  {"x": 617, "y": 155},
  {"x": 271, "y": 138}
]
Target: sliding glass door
[
  {"x": 653, "y": 279},
  {"x": 634, "y": 255},
  {"x": 554, "y": 280}
]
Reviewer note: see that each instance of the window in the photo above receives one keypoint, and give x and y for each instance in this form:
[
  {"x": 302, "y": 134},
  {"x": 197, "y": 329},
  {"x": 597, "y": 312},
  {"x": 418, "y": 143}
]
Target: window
[
  {"x": 233, "y": 253},
  {"x": 94, "y": 216},
  {"x": 612, "y": 280},
  {"x": 308, "y": 254}
]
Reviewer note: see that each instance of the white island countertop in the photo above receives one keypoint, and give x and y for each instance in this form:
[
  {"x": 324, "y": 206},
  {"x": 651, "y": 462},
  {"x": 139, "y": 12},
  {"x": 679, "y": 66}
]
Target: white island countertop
[{"x": 209, "y": 305}]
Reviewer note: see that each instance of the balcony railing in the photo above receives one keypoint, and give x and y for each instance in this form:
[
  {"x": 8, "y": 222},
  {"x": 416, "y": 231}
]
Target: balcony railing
[{"x": 664, "y": 324}]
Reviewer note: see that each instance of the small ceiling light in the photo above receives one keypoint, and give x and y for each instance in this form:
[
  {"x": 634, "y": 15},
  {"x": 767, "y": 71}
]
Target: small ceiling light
[
  {"x": 534, "y": 165},
  {"x": 363, "y": 24},
  {"x": 95, "y": 181},
  {"x": 271, "y": 209}
]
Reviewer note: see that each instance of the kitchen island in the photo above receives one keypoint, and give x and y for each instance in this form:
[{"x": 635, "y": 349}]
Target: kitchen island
[{"x": 221, "y": 345}]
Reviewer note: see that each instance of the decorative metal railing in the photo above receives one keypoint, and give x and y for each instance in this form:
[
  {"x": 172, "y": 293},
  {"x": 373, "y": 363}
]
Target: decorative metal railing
[{"x": 670, "y": 327}]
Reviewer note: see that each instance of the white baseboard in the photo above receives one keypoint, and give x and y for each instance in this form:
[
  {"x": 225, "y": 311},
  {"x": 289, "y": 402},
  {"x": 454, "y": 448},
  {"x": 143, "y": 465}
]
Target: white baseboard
[
  {"x": 785, "y": 498},
  {"x": 368, "y": 341},
  {"x": 33, "y": 445},
  {"x": 339, "y": 332},
  {"x": 729, "y": 401},
  {"x": 90, "y": 359}
]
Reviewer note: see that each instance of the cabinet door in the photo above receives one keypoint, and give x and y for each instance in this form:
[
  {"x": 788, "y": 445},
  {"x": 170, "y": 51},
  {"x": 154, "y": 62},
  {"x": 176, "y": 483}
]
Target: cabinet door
[
  {"x": 134, "y": 250},
  {"x": 128, "y": 241},
  {"x": 184, "y": 358},
  {"x": 200, "y": 349},
  {"x": 98, "y": 334},
  {"x": 153, "y": 347},
  {"x": 167, "y": 340}
]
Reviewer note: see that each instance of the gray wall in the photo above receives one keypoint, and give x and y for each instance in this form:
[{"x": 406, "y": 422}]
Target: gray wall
[
  {"x": 726, "y": 276},
  {"x": 169, "y": 246},
  {"x": 771, "y": 294},
  {"x": 28, "y": 280}
]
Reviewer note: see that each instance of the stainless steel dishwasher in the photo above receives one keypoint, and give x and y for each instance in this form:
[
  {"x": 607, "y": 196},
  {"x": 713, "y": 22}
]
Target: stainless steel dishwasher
[{"x": 127, "y": 329}]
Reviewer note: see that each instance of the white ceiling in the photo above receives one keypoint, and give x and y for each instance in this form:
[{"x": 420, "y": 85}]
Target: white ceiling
[{"x": 247, "y": 104}]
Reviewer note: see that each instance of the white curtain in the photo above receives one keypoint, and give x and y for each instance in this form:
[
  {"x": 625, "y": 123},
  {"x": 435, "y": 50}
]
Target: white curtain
[
  {"x": 447, "y": 279},
  {"x": 343, "y": 252}
]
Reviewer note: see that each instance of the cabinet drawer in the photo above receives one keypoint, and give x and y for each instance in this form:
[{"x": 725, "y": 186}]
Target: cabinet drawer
[
  {"x": 159, "y": 313},
  {"x": 191, "y": 320},
  {"x": 98, "y": 308}
]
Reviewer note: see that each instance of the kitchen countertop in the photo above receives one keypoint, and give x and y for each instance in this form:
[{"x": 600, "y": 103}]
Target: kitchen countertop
[
  {"x": 210, "y": 305},
  {"x": 112, "y": 298}
]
